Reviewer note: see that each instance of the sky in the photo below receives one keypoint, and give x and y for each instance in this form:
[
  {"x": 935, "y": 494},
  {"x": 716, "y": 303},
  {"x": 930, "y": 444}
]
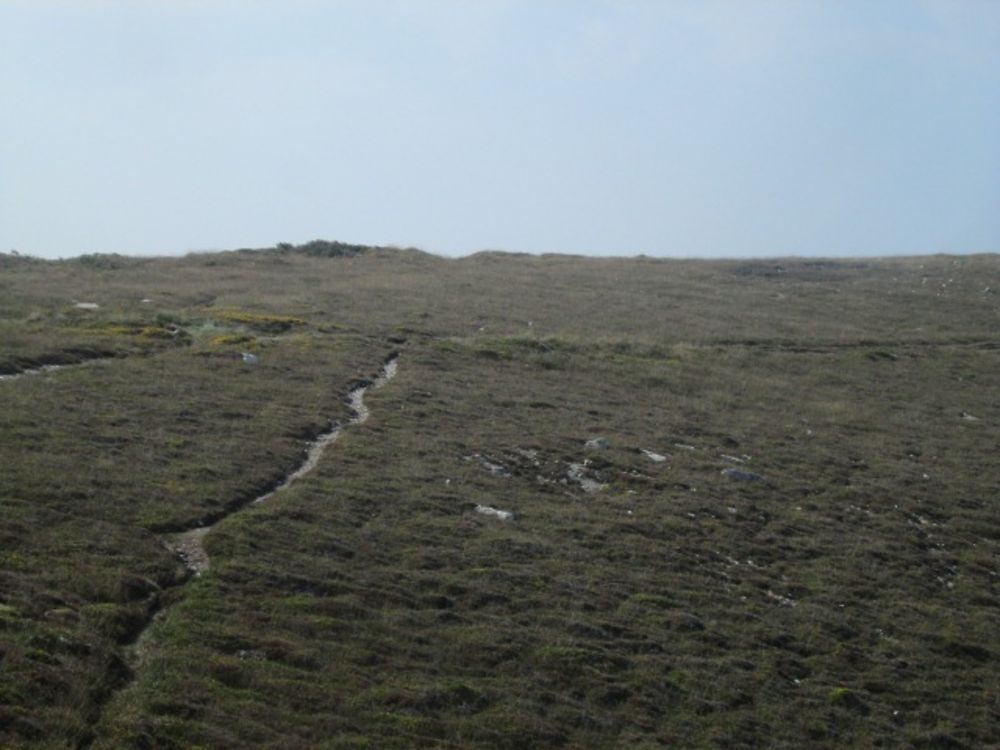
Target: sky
[{"x": 664, "y": 128}]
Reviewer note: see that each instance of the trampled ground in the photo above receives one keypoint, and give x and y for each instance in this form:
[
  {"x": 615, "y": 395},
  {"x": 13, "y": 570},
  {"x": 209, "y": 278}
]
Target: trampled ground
[{"x": 752, "y": 504}]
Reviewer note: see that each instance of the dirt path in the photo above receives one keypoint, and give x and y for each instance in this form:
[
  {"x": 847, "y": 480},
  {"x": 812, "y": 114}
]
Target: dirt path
[{"x": 189, "y": 545}]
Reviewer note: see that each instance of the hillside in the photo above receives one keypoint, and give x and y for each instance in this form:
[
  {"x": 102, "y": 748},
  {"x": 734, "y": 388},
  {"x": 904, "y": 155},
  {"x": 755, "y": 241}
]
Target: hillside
[{"x": 560, "y": 501}]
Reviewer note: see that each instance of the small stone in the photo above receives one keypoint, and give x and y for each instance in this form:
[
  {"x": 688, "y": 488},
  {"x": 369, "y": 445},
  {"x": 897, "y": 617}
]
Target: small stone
[
  {"x": 497, "y": 470},
  {"x": 486, "y": 510},
  {"x": 597, "y": 443}
]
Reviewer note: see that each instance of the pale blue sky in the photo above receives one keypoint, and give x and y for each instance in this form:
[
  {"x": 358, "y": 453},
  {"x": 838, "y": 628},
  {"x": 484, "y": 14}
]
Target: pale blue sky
[{"x": 610, "y": 128}]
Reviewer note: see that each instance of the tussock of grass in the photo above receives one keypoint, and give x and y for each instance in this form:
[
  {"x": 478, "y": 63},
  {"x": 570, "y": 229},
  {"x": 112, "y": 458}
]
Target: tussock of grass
[
  {"x": 259, "y": 321},
  {"x": 232, "y": 339}
]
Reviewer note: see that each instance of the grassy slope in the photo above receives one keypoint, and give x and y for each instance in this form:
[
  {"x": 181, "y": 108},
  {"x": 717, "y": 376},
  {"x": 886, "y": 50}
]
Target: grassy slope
[{"x": 848, "y": 598}]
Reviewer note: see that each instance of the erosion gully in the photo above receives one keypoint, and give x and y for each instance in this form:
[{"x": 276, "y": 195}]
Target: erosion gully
[
  {"x": 32, "y": 371},
  {"x": 188, "y": 545},
  {"x": 42, "y": 367}
]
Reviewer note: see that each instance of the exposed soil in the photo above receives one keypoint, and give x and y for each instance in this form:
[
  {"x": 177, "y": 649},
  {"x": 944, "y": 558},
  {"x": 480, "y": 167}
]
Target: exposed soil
[
  {"x": 189, "y": 545},
  {"x": 50, "y": 362},
  {"x": 34, "y": 371}
]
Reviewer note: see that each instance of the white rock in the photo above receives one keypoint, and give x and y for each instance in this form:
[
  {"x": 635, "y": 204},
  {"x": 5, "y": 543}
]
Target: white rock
[{"x": 486, "y": 510}]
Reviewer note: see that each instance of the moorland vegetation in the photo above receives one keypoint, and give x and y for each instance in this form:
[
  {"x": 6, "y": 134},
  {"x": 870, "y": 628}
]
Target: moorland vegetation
[{"x": 604, "y": 502}]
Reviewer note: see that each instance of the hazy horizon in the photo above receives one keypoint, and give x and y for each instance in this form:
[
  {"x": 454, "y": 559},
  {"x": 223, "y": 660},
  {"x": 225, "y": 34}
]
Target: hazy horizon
[
  {"x": 674, "y": 129},
  {"x": 568, "y": 254}
]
